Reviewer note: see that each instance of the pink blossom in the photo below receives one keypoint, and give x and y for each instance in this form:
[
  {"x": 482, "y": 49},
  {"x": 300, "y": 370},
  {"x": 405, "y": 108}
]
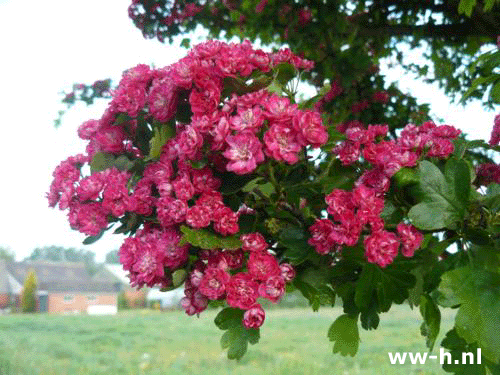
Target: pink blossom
[
  {"x": 242, "y": 291},
  {"x": 273, "y": 288},
  {"x": 254, "y": 242},
  {"x": 495, "y": 132},
  {"x": 261, "y": 266},
  {"x": 381, "y": 248},
  {"x": 287, "y": 272},
  {"x": 254, "y": 317},
  {"x": 213, "y": 283},
  {"x": 198, "y": 216},
  {"x": 310, "y": 127},
  {"x": 410, "y": 237},
  {"x": 282, "y": 144},
  {"x": 226, "y": 221},
  {"x": 250, "y": 120},
  {"x": 244, "y": 153},
  {"x": 320, "y": 236}
]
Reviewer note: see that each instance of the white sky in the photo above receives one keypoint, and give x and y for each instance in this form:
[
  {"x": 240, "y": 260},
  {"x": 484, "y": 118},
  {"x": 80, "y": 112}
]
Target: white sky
[{"x": 48, "y": 45}]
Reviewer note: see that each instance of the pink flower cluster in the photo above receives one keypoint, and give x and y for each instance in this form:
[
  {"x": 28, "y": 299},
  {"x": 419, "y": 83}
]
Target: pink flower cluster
[
  {"x": 358, "y": 212},
  {"x": 495, "y": 132},
  {"x": 387, "y": 157},
  {"x": 239, "y": 277},
  {"x": 149, "y": 252},
  {"x": 487, "y": 173},
  {"x": 153, "y": 194}
]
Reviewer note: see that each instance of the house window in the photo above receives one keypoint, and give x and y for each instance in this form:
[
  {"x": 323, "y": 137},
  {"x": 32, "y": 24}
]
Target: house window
[
  {"x": 91, "y": 299},
  {"x": 68, "y": 298}
]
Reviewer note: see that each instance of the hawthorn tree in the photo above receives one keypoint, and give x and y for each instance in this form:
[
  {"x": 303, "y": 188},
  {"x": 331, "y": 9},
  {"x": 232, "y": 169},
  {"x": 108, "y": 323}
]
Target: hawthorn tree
[{"x": 227, "y": 181}]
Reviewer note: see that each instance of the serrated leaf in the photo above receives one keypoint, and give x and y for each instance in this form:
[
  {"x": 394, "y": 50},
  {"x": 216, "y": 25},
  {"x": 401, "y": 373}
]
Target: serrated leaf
[
  {"x": 466, "y": 7},
  {"x": 432, "y": 320},
  {"x": 365, "y": 286},
  {"x": 205, "y": 239},
  {"x": 440, "y": 208},
  {"x": 101, "y": 161},
  {"x": 344, "y": 334},
  {"x": 478, "y": 319},
  {"x": 284, "y": 72},
  {"x": 236, "y": 337},
  {"x": 162, "y": 133},
  {"x": 295, "y": 240}
]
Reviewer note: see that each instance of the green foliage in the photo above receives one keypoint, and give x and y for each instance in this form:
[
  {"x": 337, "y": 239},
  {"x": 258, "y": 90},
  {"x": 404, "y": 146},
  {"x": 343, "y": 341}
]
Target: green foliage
[
  {"x": 443, "y": 199},
  {"x": 28, "y": 295},
  {"x": 205, "y": 239},
  {"x": 477, "y": 292},
  {"x": 236, "y": 337},
  {"x": 7, "y": 254},
  {"x": 432, "y": 320},
  {"x": 345, "y": 335}
]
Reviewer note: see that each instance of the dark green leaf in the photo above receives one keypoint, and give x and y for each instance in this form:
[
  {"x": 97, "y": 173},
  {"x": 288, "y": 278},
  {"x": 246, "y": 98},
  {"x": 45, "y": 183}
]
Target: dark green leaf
[
  {"x": 236, "y": 337},
  {"x": 101, "y": 161},
  {"x": 90, "y": 240},
  {"x": 295, "y": 240},
  {"x": 478, "y": 319},
  {"x": 205, "y": 239},
  {"x": 432, "y": 320},
  {"x": 344, "y": 334},
  {"x": 365, "y": 286}
]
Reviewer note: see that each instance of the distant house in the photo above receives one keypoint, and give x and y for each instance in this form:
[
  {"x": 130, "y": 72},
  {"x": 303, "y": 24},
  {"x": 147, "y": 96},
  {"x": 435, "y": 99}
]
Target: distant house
[
  {"x": 135, "y": 298},
  {"x": 63, "y": 287}
]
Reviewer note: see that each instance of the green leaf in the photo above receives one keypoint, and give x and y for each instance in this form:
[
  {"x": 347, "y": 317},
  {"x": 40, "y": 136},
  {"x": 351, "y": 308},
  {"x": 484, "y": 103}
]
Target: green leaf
[
  {"x": 365, "y": 286},
  {"x": 101, "y": 161},
  {"x": 393, "y": 287},
  {"x": 162, "y": 133},
  {"x": 91, "y": 239},
  {"x": 439, "y": 208},
  {"x": 236, "y": 337},
  {"x": 295, "y": 240},
  {"x": 432, "y": 320},
  {"x": 205, "y": 239},
  {"x": 466, "y": 7},
  {"x": 284, "y": 72},
  {"x": 457, "y": 346},
  {"x": 495, "y": 92},
  {"x": 433, "y": 215},
  {"x": 345, "y": 335},
  {"x": 123, "y": 163},
  {"x": 458, "y": 175},
  {"x": 478, "y": 319}
]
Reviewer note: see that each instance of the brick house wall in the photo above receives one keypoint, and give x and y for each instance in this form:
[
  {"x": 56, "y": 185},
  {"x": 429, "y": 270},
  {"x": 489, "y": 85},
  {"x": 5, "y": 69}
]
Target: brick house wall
[
  {"x": 135, "y": 298},
  {"x": 4, "y": 301},
  {"x": 71, "y": 302}
]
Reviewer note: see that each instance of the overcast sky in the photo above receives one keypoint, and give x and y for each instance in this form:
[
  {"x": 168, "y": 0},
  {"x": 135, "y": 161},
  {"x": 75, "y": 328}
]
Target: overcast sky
[{"x": 48, "y": 45}]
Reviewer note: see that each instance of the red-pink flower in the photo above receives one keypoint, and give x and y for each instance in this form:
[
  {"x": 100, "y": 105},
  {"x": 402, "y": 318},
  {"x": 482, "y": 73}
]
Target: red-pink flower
[
  {"x": 213, "y": 283},
  {"x": 262, "y": 265},
  {"x": 242, "y": 291},
  {"x": 244, "y": 153},
  {"x": 273, "y": 288},
  {"x": 254, "y": 317},
  {"x": 320, "y": 236},
  {"x": 381, "y": 247},
  {"x": 254, "y": 242},
  {"x": 310, "y": 127},
  {"x": 410, "y": 237},
  {"x": 282, "y": 143}
]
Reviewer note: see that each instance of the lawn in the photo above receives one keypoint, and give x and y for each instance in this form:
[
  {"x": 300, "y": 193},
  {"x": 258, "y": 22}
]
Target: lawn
[{"x": 293, "y": 341}]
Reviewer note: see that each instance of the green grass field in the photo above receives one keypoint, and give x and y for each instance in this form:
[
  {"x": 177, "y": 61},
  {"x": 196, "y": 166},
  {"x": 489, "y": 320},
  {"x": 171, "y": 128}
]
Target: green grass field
[{"x": 293, "y": 341}]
